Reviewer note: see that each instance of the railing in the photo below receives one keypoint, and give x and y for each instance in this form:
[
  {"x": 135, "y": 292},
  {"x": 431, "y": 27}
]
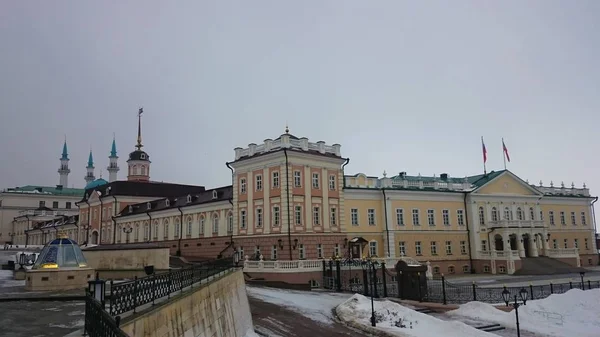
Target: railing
[
  {"x": 98, "y": 322},
  {"x": 499, "y": 254},
  {"x": 299, "y": 266},
  {"x": 516, "y": 223},
  {"x": 128, "y": 296},
  {"x": 567, "y": 252}
]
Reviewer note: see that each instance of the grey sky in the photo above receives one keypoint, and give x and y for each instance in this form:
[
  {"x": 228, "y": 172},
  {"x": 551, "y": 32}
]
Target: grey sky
[{"x": 403, "y": 86}]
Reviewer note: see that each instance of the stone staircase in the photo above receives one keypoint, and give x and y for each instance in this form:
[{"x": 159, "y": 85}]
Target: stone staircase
[{"x": 543, "y": 265}]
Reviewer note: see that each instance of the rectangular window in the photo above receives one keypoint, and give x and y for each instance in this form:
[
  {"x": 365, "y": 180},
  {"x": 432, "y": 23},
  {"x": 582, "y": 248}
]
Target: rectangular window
[
  {"x": 229, "y": 225},
  {"x": 433, "y": 247},
  {"x": 446, "y": 217},
  {"x": 241, "y": 250},
  {"x": 354, "y": 216},
  {"x": 587, "y": 246},
  {"x": 68, "y": 205},
  {"x": 402, "y": 246},
  {"x": 336, "y": 250},
  {"x": 371, "y": 216},
  {"x": 259, "y": 217},
  {"x": 109, "y": 211},
  {"x": 315, "y": 180},
  {"x": 242, "y": 221},
  {"x": 257, "y": 251},
  {"x": 275, "y": 178},
  {"x": 566, "y": 243},
  {"x": 555, "y": 244},
  {"x": 562, "y": 218},
  {"x": 460, "y": 217},
  {"x": 276, "y": 216},
  {"x": 483, "y": 245},
  {"x": 399, "y": 217},
  {"x": 448, "y": 247},
  {"x": 418, "y": 248},
  {"x": 104, "y": 213},
  {"x": 274, "y": 252},
  {"x": 333, "y": 217},
  {"x": 551, "y": 216},
  {"x": 541, "y": 215},
  {"x": 332, "y": 182},
  {"x": 415, "y": 217},
  {"x": 258, "y": 182},
  {"x": 573, "y": 219},
  {"x": 55, "y": 204},
  {"x": 42, "y": 203},
  {"x": 430, "y": 217},
  {"x": 531, "y": 214},
  {"x": 297, "y": 179},
  {"x": 583, "y": 222},
  {"x": 316, "y": 215},
  {"x": 301, "y": 251},
  {"x": 373, "y": 248},
  {"x": 298, "y": 215},
  {"x": 576, "y": 243},
  {"x": 463, "y": 248},
  {"x": 319, "y": 251},
  {"x": 243, "y": 185}
]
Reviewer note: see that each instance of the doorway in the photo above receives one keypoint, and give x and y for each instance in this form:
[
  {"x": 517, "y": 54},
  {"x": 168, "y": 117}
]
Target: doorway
[{"x": 526, "y": 240}]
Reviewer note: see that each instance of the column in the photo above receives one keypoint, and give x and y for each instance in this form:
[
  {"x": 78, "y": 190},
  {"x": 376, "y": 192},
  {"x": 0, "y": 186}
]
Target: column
[
  {"x": 533, "y": 245},
  {"x": 391, "y": 242},
  {"x": 520, "y": 246},
  {"x": 308, "y": 199},
  {"x": 250, "y": 202},
  {"x": 506, "y": 243},
  {"x": 325, "y": 202},
  {"x": 266, "y": 201}
]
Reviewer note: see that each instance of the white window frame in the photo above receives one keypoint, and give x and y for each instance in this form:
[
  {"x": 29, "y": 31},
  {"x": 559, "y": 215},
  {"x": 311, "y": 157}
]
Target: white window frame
[
  {"x": 243, "y": 219},
  {"x": 333, "y": 216},
  {"x": 448, "y": 247},
  {"x": 259, "y": 217},
  {"x": 297, "y": 179},
  {"x": 373, "y": 248},
  {"x": 274, "y": 252},
  {"x": 460, "y": 217},
  {"x": 258, "y": 183},
  {"x": 315, "y": 180},
  {"x": 481, "y": 214},
  {"x": 551, "y": 217},
  {"x": 230, "y": 222},
  {"x": 371, "y": 216},
  {"x": 507, "y": 213},
  {"x": 319, "y": 251},
  {"x": 583, "y": 218},
  {"x": 402, "y": 248},
  {"x": 316, "y": 216},
  {"x": 433, "y": 245},
  {"x": 177, "y": 226},
  {"x": 573, "y": 219},
  {"x": 332, "y": 182},
  {"x": 354, "y": 216},
  {"x": 275, "y": 179},
  {"x": 531, "y": 213},
  {"x": 563, "y": 219},
  {"x": 576, "y": 243},
  {"x": 215, "y": 223},
  {"x": 494, "y": 214},
  {"x": 400, "y": 217},
  {"x": 416, "y": 217},
  {"x": 431, "y": 217},
  {"x": 298, "y": 215},
  {"x": 520, "y": 214},
  {"x": 446, "y": 217},
  {"x": 276, "y": 216},
  {"x": 418, "y": 248},
  {"x": 243, "y": 186},
  {"x": 463, "y": 248},
  {"x": 301, "y": 252}
]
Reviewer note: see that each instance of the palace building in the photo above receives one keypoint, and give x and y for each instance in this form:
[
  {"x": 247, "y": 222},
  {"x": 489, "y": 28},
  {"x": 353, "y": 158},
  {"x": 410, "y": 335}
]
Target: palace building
[{"x": 291, "y": 201}]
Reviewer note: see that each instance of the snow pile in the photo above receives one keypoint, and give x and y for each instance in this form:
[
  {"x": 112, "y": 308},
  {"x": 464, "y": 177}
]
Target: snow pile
[
  {"x": 574, "y": 313},
  {"x": 251, "y": 333},
  {"x": 397, "y": 319}
]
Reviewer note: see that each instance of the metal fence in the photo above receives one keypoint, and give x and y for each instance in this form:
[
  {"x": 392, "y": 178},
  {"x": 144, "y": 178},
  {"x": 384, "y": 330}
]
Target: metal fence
[
  {"x": 128, "y": 296},
  {"x": 98, "y": 322}
]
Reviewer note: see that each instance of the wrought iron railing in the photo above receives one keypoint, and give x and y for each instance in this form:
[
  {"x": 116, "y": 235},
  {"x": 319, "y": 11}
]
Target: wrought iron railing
[
  {"x": 98, "y": 322},
  {"x": 128, "y": 296}
]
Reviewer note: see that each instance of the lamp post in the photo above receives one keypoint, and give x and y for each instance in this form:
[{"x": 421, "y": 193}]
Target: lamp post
[
  {"x": 97, "y": 289},
  {"x": 369, "y": 266},
  {"x": 236, "y": 258},
  {"x": 86, "y": 228},
  {"x": 582, "y": 274},
  {"x": 523, "y": 294},
  {"x": 127, "y": 230},
  {"x": 22, "y": 260}
]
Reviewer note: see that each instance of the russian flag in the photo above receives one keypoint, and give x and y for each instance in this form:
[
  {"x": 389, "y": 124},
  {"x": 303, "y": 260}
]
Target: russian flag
[{"x": 484, "y": 150}]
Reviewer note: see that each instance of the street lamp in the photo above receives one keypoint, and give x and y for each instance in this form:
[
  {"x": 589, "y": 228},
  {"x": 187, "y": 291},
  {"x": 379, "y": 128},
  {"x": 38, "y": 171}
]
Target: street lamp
[
  {"x": 236, "y": 257},
  {"x": 97, "y": 289},
  {"x": 506, "y": 296},
  {"x": 22, "y": 260},
  {"x": 127, "y": 230},
  {"x": 581, "y": 274},
  {"x": 367, "y": 266}
]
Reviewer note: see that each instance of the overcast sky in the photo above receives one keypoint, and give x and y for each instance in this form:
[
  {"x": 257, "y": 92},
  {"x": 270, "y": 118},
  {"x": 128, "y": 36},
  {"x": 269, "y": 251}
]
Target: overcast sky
[{"x": 403, "y": 86}]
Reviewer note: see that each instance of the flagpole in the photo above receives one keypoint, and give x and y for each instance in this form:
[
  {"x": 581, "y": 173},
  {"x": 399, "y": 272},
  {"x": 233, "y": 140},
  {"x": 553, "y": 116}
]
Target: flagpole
[
  {"x": 484, "y": 156},
  {"x": 503, "y": 153}
]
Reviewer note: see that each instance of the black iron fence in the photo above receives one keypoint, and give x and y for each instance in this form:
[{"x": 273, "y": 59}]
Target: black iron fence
[
  {"x": 352, "y": 276},
  {"x": 98, "y": 322},
  {"x": 128, "y": 296}
]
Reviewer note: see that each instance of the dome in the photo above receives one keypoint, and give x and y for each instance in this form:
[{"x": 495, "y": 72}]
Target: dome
[
  {"x": 96, "y": 183},
  {"x": 60, "y": 253},
  {"x": 139, "y": 155}
]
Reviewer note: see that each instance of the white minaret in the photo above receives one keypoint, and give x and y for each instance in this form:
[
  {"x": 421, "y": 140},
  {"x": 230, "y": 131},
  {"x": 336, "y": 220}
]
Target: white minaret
[
  {"x": 89, "y": 177},
  {"x": 64, "y": 170},
  {"x": 113, "y": 166}
]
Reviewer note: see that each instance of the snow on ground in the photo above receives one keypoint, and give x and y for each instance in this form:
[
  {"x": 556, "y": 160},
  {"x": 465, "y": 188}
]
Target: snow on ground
[
  {"x": 314, "y": 305},
  {"x": 251, "y": 333},
  {"x": 574, "y": 313},
  {"x": 397, "y": 319}
]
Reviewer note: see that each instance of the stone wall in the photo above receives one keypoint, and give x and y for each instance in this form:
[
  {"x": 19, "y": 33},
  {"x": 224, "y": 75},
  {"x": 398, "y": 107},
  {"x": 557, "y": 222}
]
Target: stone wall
[
  {"x": 217, "y": 309},
  {"x": 127, "y": 258}
]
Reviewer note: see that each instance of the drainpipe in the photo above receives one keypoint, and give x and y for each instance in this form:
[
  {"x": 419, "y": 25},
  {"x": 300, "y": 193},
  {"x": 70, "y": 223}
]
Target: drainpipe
[
  {"x": 231, "y": 236},
  {"x": 114, "y": 221},
  {"x": 87, "y": 231},
  {"x": 387, "y": 230},
  {"x": 149, "y": 226},
  {"x": 594, "y": 219},
  {"x": 468, "y": 232},
  {"x": 231, "y": 201},
  {"x": 180, "y": 230},
  {"x": 100, "y": 227},
  {"x": 347, "y": 160},
  {"x": 287, "y": 191}
]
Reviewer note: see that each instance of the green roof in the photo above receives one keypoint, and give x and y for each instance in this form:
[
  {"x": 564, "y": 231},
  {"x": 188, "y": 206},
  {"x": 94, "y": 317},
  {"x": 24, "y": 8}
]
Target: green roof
[
  {"x": 46, "y": 190},
  {"x": 481, "y": 179},
  {"x": 477, "y": 180}
]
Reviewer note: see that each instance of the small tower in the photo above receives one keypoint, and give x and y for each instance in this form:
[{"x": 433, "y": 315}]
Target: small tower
[
  {"x": 113, "y": 167},
  {"x": 64, "y": 170},
  {"x": 89, "y": 177},
  {"x": 138, "y": 164}
]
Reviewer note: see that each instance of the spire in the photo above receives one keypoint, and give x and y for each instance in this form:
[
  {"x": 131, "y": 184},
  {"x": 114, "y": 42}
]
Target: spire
[
  {"x": 65, "y": 154},
  {"x": 113, "y": 150},
  {"x": 139, "y": 138},
  {"x": 90, "y": 160},
  {"x": 287, "y": 130}
]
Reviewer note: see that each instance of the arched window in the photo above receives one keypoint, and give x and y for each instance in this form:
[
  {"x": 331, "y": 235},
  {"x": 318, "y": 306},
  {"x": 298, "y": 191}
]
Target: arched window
[
  {"x": 481, "y": 216},
  {"x": 135, "y": 171},
  {"x": 215, "y": 223},
  {"x": 119, "y": 231},
  {"x": 103, "y": 235},
  {"x": 230, "y": 222},
  {"x": 494, "y": 214},
  {"x": 156, "y": 229},
  {"x": 137, "y": 232},
  {"x": 201, "y": 226},
  {"x": 166, "y": 228},
  {"x": 507, "y": 213},
  {"x": 519, "y": 213},
  {"x": 146, "y": 231},
  {"x": 189, "y": 225},
  {"x": 177, "y": 226},
  {"x": 143, "y": 170},
  {"x": 531, "y": 214}
]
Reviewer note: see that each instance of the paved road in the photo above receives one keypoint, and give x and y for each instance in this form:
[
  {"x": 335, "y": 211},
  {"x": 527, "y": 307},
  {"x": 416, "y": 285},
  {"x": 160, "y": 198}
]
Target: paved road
[{"x": 40, "y": 319}]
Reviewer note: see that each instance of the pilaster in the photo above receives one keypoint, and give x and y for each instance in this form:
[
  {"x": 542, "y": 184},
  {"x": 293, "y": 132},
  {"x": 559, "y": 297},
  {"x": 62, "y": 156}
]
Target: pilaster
[
  {"x": 267, "y": 201},
  {"x": 325, "y": 192},
  {"x": 308, "y": 199}
]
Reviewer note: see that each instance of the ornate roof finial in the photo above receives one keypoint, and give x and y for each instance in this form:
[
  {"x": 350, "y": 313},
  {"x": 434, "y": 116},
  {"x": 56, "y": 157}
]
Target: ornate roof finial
[
  {"x": 113, "y": 149},
  {"x": 527, "y": 181},
  {"x": 100, "y": 173},
  {"x": 551, "y": 183},
  {"x": 384, "y": 174},
  {"x": 65, "y": 154},
  {"x": 139, "y": 137},
  {"x": 572, "y": 185},
  {"x": 90, "y": 159},
  {"x": 562, "y": 184},
  {"x": 584, "y": 185},
  {"x": 287, "y": 129},
  {"x": 541, "y": 183}
]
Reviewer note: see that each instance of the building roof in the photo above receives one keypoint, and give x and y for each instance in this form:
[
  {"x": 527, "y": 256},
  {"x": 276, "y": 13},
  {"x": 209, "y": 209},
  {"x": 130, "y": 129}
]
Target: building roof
[
  {"x": 65, "y": 154},
  {"x": 290, "y": 150},
  {"x": 34, "y": 189},
  {"x": 204, "y": 197},
  {"x": 90, "y": 160},
  {"x": 143, "y": 189},
  {"x": 139, "y": 155},
  {"x": 113, "y": 149},
  {"x": 59, "y": 220},
  {"x": 96, "y": 183}
]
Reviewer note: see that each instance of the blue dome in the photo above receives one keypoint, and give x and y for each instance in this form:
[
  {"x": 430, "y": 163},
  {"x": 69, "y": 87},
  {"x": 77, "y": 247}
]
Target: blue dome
[{"x": 96, "y": 183}]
